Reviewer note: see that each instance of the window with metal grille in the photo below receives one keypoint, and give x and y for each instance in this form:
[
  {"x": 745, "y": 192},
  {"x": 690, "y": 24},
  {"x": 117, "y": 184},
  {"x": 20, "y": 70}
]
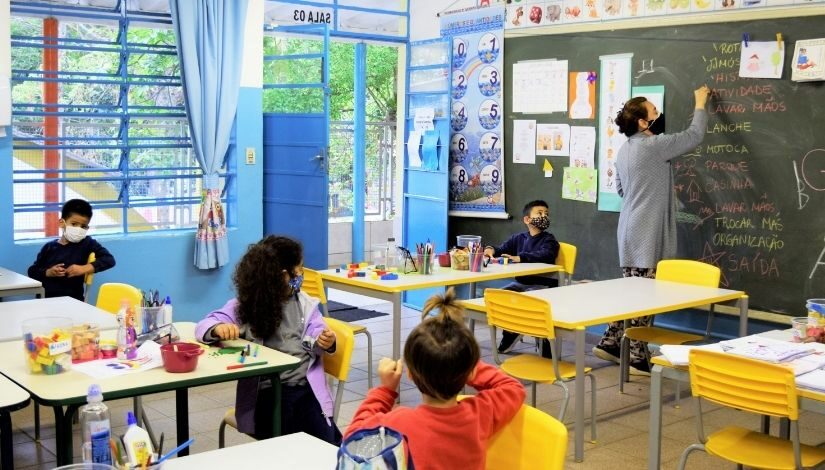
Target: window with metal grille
[{"x": 98, "y": 113}]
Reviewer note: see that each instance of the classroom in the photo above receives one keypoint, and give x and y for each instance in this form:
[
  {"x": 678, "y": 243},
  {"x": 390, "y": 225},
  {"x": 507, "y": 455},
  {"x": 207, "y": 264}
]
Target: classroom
[{"x": 314, "y": 234}]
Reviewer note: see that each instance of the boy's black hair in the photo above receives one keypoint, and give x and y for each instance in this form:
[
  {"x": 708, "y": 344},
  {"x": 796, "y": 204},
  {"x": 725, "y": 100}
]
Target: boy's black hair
[
  {"x": 530, "y": 205},
  {"x": 76, "y": 206}
]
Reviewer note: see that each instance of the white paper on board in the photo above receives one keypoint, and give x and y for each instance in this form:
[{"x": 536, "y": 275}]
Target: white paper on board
[
  {"x": 540, "y": 86},
  {"x": 762, "y": 59},
  {"x": 524, "y": 141},
  {"x": 553, "y": 139},
  {"x": 582, "y": 146},
  {"x": 414, "y": 149},
  {"x": 423, "y": 120}
]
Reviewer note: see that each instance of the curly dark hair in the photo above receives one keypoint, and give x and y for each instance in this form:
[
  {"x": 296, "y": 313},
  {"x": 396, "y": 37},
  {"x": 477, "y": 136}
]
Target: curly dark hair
[
  {"x": 260, "y": 283},
  {"x": 628, "y": 118}
]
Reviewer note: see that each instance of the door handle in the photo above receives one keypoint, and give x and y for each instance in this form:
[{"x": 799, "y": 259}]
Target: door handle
[{"x": 321, "y": 159}]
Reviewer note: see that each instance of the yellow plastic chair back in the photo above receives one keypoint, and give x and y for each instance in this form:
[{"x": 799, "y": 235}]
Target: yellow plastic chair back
[
  {"x": 111, "y": 294},
  {"x": 519, "y": 313},
  {"x": 337, "y": 364},
  {"x": 313, "y": 286},
  {"x": 532, "y": 439},
  {"x": 567, "y": 258},
  {"x": 743, "y": 383},
  {"x": 89, "y": 278},
  {"x": 688, "y": 272}
]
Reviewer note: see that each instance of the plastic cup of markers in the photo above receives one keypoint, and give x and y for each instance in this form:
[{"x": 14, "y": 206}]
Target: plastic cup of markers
[{"x": 424, "y": 264}]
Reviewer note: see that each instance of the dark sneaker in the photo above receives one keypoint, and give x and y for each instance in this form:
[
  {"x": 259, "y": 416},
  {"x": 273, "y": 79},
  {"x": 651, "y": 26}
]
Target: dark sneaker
[
  {"x": 545, "y": 349},
  {"x": 607, "y": 353},
  {"x": 640, "y": 368},
  {"x": 508, "y": 341}
]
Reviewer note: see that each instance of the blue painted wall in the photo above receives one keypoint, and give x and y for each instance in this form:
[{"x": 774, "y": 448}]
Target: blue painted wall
[{"x": 163, "y": 260}]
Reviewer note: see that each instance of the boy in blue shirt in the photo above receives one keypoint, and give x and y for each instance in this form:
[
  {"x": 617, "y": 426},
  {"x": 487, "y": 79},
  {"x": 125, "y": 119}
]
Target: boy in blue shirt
[
  {"x": 62, "y": 264},
  {"x": 536, "y": 245}
]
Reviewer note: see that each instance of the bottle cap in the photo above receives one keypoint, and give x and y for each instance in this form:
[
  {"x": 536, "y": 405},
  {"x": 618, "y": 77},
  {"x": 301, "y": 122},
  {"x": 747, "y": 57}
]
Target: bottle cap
[
  {"x": 94, "y": 395},
  {"x": 130, "y": 418},
  {"x": 168, "y": 300}
]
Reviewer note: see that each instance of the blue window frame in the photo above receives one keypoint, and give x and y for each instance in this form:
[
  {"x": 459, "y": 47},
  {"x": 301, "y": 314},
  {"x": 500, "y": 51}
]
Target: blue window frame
[{"x": 117, "y": 135}]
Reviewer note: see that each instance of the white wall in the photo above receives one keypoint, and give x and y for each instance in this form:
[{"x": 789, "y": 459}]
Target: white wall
[{"x": 424, "y": 19}]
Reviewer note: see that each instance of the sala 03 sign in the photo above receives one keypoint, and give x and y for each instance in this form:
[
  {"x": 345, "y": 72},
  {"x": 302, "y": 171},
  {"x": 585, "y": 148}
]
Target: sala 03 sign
[{"x": 304, "y": 16}]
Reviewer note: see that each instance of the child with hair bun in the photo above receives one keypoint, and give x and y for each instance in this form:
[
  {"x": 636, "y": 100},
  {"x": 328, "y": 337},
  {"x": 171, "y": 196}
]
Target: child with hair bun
[{"x": 442, "y": 356}]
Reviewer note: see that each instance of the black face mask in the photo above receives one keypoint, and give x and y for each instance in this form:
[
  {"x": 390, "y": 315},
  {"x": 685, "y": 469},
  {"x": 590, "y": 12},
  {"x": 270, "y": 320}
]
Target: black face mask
[{"x": 657, "y": 126}]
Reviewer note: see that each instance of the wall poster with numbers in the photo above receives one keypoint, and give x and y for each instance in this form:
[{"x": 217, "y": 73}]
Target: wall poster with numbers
[{"x": 476, "y": 117}]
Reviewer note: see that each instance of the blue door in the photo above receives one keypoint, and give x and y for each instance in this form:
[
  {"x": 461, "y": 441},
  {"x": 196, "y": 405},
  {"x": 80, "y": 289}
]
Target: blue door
[{"x": 296, "y": 136}]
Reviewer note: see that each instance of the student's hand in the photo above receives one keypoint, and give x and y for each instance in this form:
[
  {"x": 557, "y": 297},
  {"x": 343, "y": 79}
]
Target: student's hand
[
  {"x": 326, "y": 339},
  {"x": 701, "y": 95},
  {"x": 56, "y": 271},
  {"x": 226, "y": 331},
  {"x": 389, "y": 372},
  {"x": 489, "y": 252},
  {"x": 78, "y": 270},
  {"x": 513, "y": 258}
]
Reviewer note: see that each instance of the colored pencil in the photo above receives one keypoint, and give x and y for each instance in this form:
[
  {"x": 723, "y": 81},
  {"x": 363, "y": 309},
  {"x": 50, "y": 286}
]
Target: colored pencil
[{"x": 248, "y": 364}]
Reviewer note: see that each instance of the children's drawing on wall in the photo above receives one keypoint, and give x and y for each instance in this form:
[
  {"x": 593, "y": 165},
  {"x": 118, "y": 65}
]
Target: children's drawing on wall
[
  {"x": 516, "y": 16},
  {"x": 536, "y": 14},
  {"x": 727, "y": 4},
  {"x": 615, "y": 73},
  {"x": 582, "y": 95},
  {"x": 553, "y": 12},
  {"x": 761, "y": 59},
  {"x": 655, "y": 7},
  {"x": 593, "y": 9},
  {"x": 678, "y": 6},
  {"x": 633, "y": 8},
  {"x": 579, "y": 184},
  {"x": 582, "y": 146},
  {"x": 573, "y": 11},
  {"x": 612, "y": 8},
  {"x": 809, "y": 60},
  {"x": 553, "y": 139},
  {"x": 701, "y": 5}
]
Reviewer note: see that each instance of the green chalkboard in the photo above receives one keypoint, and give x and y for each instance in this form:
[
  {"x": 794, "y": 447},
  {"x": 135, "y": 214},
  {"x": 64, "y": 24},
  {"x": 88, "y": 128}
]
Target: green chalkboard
[{"x": 752, "y": 196}]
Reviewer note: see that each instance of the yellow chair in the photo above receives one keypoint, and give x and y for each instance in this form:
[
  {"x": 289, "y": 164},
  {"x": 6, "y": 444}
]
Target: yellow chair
[
  {"x": 530, "y": 316},
  {"x": 566, "y": 258},
  {"x": 88, "y": 279},
  {"x": 336, "y": 365},
  {"x": 313, "y": 286},
  {"x": 674, "y": 270},
  {"x": 109, "y": 297},
  {"x": 532, "y": 439},
  {"x": 754, "y": 386}
]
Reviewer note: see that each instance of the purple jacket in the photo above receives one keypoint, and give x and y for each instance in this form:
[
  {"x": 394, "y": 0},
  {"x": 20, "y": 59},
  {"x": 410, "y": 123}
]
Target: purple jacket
[{"x": 247, "y": 392}]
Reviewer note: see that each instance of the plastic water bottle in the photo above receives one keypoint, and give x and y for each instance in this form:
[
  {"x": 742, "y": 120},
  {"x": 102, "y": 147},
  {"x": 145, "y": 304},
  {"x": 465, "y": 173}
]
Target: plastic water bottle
[
  {"x": 96, "y": 428},
  {"x": 167, "y": 311},
  {"x": 392, "y": 253},
  {"x": 122, "y": 337}
]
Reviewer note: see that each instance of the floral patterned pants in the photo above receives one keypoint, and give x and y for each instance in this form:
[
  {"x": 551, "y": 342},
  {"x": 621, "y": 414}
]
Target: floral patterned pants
[{"x": 613, "y": 335}]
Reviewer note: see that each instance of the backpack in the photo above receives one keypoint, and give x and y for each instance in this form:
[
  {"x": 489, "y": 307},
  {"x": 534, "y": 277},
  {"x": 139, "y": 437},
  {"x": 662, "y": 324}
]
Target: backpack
[{"x": 378, "y": 448}]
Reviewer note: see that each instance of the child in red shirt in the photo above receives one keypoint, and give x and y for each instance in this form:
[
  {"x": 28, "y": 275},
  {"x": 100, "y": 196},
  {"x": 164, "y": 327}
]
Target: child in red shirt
[{"x": 442, "y": 356}]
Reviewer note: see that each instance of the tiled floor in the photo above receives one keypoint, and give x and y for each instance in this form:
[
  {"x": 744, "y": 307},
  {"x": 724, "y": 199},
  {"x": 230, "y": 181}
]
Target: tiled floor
[{"x": 622, "y": 418}]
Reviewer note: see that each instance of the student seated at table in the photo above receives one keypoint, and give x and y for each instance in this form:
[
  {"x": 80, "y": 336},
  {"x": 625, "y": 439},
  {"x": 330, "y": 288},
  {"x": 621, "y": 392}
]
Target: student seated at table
[
  {"x": 62, "y": 264},
  {"x": 536, "y": 245},
  {"x": 442, "y": 356},
  {"x": 270, "y": 309}
]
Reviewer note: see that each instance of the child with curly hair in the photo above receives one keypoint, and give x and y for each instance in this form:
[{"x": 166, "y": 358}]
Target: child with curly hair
[{"x": 270, "y": 309}]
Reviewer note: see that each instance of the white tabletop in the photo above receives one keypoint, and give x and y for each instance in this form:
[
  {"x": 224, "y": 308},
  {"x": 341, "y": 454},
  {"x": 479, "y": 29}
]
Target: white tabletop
[
  {"x": 593, "y": 303},
  {"x": 10, "y": 394},
  {"x": 12, "y": 280},
  {"x": 71, "y": 386},
  {"x": 442, "y": 277},
  {"x": 13, "y": 314},
  {"x": 293, "y": 451}
]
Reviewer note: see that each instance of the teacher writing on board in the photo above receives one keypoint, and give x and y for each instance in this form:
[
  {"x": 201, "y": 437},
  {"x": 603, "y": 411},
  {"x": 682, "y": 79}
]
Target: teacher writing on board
[{"x": 647, "y": 222}]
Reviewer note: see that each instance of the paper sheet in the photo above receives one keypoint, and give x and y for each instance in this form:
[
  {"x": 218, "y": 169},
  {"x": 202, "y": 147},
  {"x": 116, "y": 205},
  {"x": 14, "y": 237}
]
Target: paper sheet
[
  {"x": 809, "y": 60},
  {"x": 582, "y": 95},
  {"x": 148, "y": 357},
  {"x": 423, "y": 120},
  {"x": 414, "y": 149},
  {"x": 614, "y": 73},
  {"x": 553, "y": 139},
  {"x": 762, "y": 59},
  {"x": 579, "y": 184},
  {"x": 540, "y": 86},
  {"x": 582, "y": 146},
  {"x": 524, "y": 141}
]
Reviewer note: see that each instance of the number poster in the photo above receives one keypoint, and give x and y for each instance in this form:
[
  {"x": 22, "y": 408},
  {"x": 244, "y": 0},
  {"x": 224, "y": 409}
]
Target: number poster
[{"x": 476, "y": 117}]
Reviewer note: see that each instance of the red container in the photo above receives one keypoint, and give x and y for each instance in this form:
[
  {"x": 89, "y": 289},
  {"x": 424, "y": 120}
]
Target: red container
[
  {"x": 444, "y": 260},
  {"x": 180, "y": 357}
]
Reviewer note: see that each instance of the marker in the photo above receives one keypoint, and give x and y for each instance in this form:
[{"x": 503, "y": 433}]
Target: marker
[
  {"x": 257, "y": 347},
  {"x": 176, "y": 450},
  {"x": 248, "y": 364}
]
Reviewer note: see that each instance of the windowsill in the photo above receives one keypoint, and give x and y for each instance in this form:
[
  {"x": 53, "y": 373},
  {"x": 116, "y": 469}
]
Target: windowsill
[
  {"x": 367, "y": 218},
  {"x": 132, "y": 236}
]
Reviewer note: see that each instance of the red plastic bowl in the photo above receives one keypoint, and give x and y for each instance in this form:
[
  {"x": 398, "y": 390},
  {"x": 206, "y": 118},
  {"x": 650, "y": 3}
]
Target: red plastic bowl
[
  {"x": 444, "y": 260},
  {"x": 180, "y": 357}
]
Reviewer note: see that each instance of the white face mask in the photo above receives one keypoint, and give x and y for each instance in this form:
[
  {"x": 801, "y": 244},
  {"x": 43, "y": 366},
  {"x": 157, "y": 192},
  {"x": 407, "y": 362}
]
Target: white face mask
[{"x": 74, "y": 234}]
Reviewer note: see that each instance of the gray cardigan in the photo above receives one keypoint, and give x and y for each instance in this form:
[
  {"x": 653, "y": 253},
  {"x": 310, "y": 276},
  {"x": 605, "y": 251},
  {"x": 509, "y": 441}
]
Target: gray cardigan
[{"x": 647, "y": 223}]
